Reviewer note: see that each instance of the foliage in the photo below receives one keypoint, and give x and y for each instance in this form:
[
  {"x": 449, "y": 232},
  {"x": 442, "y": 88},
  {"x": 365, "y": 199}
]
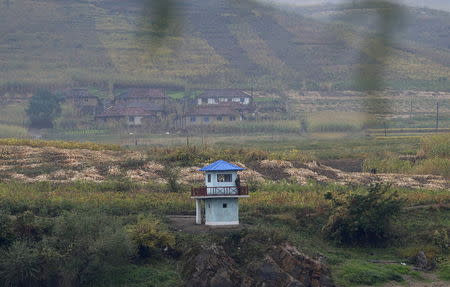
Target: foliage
[
  {"x": 444, "y": 272},
  {"x": 149, "y": 237},
  {"x": 20, "y": 265},
  {"x": 9, "y": 131},
  {"x": 6, "y": 230},
  {"x": 362, "y": 217},
  {"x": 441, "y": 240},
  {"x": 356, "y": 272},
  {"x": 43, "y": 109},
  {"x": 436, "y": 146},
  {"x": 171, "y": 174}
]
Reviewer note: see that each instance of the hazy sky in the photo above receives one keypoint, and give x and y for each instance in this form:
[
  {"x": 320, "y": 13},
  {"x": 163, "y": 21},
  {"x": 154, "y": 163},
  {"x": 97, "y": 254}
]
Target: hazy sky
[{"x": 434, "y": 4}]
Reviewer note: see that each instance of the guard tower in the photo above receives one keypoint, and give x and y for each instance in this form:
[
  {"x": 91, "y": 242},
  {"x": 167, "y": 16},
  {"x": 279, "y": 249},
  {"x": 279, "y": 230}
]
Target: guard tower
[{"x": 220, "y": 195}]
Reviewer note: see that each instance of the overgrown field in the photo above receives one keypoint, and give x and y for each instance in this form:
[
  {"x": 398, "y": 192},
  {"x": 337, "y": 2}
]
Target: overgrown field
[
  {"x": 106, "y": 220},
  {"x": 114, "y": 233}
]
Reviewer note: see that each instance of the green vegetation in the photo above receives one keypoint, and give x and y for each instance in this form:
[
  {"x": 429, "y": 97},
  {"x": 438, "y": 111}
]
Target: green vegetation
[
  {"x": 362, "y": 218},
  {"x": 444, "y": 272},
  {"x": 43, "y": 109},
  {"x": 359, "y": 272},
  {"x": 433, "y": 157}
]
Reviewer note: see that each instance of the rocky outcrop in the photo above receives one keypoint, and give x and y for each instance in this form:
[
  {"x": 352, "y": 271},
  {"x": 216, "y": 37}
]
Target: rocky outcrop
[
  {"x": 282, "y": 266},
  {"x": 286, "y": 266},
  {"x": 212, "y": 267}
]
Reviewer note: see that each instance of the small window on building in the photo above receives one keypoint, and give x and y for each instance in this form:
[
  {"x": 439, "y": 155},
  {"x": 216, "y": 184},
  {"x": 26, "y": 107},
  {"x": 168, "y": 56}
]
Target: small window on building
[
  {"x": 193, "y": 119},
  {"x": 224, "y": 178},
  {"x": 224, "y": 205},
  {"x": 131, "y": 119},
  {"x": 219, "y": 118},
  {"x": 242, "y": 100},
  {"x": 206, "y": 119},
  {"x": 204, "y": 100},
  {"x": 232, "y": 118},
  {"x": 209, "y": 178}
]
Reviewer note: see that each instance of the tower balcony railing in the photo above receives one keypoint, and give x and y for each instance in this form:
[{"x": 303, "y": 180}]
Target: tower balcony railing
[{"x": 219, "y": 191}]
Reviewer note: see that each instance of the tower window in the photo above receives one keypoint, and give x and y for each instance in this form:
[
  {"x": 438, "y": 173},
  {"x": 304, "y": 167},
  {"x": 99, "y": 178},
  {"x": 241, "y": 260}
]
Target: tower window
[
  {"x": 224, "y": 205},
  {"x": 224, "y": 178}
]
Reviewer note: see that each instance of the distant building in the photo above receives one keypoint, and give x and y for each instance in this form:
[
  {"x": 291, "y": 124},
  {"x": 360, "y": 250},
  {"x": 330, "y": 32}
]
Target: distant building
[
  {"x": 143, "y": 96},
  {"x": 134, "y": 114},
  {"x": 136, "y": 107},
  {"x": 220, "y": 195},
  {"x": 83, "y": 101},
  {"x": 213, "y": 97},
  {"x": 223, "y": 112}
]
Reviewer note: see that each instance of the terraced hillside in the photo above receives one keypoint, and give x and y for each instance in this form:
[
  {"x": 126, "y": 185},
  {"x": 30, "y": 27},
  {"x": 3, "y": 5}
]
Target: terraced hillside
[{"x": 214, "y": 43}]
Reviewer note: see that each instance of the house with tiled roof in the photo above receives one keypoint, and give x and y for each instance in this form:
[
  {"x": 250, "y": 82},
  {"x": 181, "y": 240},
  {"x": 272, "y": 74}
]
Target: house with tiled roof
[
  {"x": 214, "y": 97},
  {"x": 83, "y": 101},
  {"x": 221, "y": 112},
  {"x": 142, "y": 95},
  {"x": 136, "y": 107}
]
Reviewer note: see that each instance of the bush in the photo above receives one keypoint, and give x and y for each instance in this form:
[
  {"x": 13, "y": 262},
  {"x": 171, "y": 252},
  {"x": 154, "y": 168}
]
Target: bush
[
  {"x": 362, "y": 218},
  {"x": 6, "y": 230},
  {"x": 149, "y": 237},
  {"x": 20, "y": 265},
  {"x": 84, "y": 247},
  {"x": 171, "y": 175}
]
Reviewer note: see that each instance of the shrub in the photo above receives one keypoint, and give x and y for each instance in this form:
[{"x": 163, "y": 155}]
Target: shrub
[
  {"x": 441, "y": 240},
  {"x": 149, "y": 237},
  {"x": 85, "y": 246},
  {"x": 6, "y": 230},
  {"x": 171, "y": 175},
  {"x": 362, "y": 218},
  {"x": 20, "y": 265}
]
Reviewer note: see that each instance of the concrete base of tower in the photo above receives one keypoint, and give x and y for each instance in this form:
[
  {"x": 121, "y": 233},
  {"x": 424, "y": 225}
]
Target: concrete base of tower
[{"x": 222, "y": 223}]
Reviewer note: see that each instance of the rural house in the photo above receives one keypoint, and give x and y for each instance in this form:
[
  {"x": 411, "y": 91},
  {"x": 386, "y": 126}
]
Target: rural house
[
  {"x": 136, "y": 107},
  {"x": 83, "y": 102},
  {"x": 213, "y": 97},
  {"x": 143, "y": 96},
  {"x": 223, "y": 112}
]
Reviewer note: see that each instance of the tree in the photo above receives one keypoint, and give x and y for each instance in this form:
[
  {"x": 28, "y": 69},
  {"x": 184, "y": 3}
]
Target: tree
[
  {"x": 362, "y": 218},
  {"x": 44, "y": 107}
]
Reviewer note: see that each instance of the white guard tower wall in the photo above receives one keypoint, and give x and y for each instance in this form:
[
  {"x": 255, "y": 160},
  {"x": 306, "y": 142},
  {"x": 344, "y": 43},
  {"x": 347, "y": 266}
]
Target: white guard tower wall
[
  {"x": 221, "y": 197},
  {"x": 221, "y": 210}
]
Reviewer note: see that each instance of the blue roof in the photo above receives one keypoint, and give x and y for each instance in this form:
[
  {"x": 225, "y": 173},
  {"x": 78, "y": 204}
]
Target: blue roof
[{"x": 221, "y": 165}]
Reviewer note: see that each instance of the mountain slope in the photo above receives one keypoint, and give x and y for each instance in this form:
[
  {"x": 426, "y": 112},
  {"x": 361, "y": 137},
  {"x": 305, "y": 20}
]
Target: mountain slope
[{"x": 215, "y": 43}]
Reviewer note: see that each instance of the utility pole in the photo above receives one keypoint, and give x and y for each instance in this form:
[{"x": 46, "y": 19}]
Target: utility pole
[
  {"x": 410, "y": 110},
  {"x": 437, "y": 116}
]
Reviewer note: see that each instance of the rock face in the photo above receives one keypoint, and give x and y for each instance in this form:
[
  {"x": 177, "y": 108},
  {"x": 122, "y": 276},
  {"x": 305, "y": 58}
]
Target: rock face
[
  {"x": 286, "y": 266},
  {"x": 213, "y": 267},
  {"x": 282, "y": 266}
]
